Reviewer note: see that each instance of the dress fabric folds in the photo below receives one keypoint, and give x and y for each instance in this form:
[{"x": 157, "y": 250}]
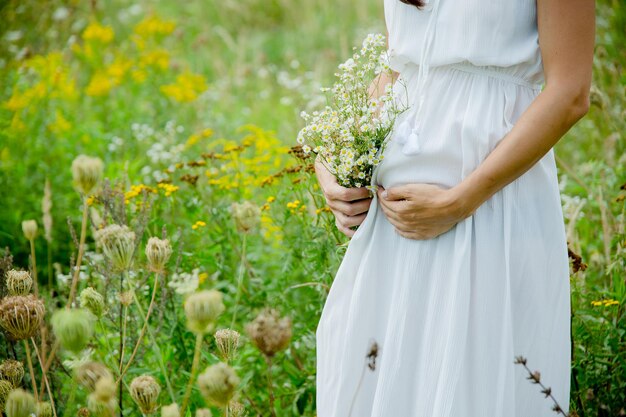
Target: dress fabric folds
[{"x": 431, "y": 328}]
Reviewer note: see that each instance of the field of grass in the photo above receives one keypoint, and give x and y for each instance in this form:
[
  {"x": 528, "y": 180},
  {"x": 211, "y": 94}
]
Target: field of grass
[{"x": 192, "y": 107}]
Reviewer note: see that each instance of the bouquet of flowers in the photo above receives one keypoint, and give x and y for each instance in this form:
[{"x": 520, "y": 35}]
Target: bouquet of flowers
[{"x": 350, "y": 133}]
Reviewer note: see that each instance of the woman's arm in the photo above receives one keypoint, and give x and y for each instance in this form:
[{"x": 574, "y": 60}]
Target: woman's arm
[{"x": 566, "y": 38}]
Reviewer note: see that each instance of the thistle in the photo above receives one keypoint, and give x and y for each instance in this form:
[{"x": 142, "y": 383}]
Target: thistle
[
  {"x": 5, "y": 390},
  {"x": 145, "y": 391},
  {"x": 18, "y": 282},
  {"x": 73, "y": 328},
  {"x": 170, "y": 410},
  {"x": 158, "y": 252},
  {"x": 202, "y": 309},
  {"x": 247, "y": 215},
  {"x": 227, "y": 342},
  {"x": 87, "y": 173},
  {"x": 29, "y": 227},
  {"x": 12, "y": 371},
  {"x": 20, "y": 404},
  {"x": 269, "y": 332},
  {"x": 44, "y": 409},
  {"x": 218, "y": 384},
  {"x": 21, "y": 316},
  {"x": 118, "y": 244},
  {"x": 93, "y": 301},
  {"x": 89, "y": 373},
  {"x": 236, "y": 409}
]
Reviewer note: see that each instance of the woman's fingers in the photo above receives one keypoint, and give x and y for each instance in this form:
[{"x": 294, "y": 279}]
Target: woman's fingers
[
  {"x": 349, "y": 221},
  {"x": 343, "y": 229},
  {"x": 350, "y": 209}
]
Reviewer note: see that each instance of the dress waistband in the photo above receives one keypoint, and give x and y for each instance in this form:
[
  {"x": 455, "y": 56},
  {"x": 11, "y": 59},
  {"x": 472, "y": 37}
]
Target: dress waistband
[{"x": 490, "y": 71}]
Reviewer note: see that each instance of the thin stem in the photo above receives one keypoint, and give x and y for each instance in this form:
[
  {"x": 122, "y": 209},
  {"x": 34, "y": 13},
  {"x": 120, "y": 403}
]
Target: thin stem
[
  {"x": 270, "y": 384},
  {"x": 81, "y": 251},
  {"x": 45, "y": 379},
  {"x": 31, "y": 370},
  {"x": 143, "y": 329},
  {"x": 122, "y": 326},
  {"x": 49, "y": 267},
  {"x": 226, "y": 410},
  {"x": 194, "y": 368},
  {"x": 239, "y": 279},
  {"x": 34, "y": 261},
  {"x": 157, "y": 350}
]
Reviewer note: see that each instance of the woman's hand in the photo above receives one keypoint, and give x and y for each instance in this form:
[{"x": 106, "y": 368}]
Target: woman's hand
[
  {"x": 349, "y": 205},
  {"x": 421, "y": 211}
]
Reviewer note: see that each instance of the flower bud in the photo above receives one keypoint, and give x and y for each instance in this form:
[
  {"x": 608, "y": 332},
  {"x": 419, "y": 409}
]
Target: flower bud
[
  {"x": 5, "y": 390},
  {"x": 89, "y": 373},
  {"x": 247, "y": 215},
  {"x": 126, "y": 297},
  {"x": 145, "y": 391},
  {"x": 83, "y": 412},
  {"x": 73, "y": 328},
  {"x": 18, "y": 282},
  {"x": 227, "y": 342},
  {"x": 218, "y": 384},
  {"x": 158, "y": 252},
  {"x": 118, "y": 244},
  {"x": 171, "y": 410},
  {"x": 269, "y": 332},
  {"x": 29, "y": 227},
  {"x": 93, "y": 301},
  {"x": 20, "y": 404},
  {"x": 44, "y": 409},
  {"x": 12, "y": 371},
  {"x": 21, "y": 316},
  {"x": 202, "y": 309},
  {"x": 236, "y": 409},
  {"x": 105, "y": 389},
  {"x": 87, "y": 173}
]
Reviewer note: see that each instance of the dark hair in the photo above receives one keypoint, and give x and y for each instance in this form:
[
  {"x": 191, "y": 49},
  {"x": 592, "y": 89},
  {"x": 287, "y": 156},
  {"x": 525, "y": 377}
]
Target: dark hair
[{"x": 416, "y": 3}]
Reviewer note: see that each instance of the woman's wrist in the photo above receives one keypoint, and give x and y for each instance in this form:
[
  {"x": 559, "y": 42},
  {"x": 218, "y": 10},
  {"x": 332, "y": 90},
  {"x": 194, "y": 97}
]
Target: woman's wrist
[{"x": 465, "y": 199}]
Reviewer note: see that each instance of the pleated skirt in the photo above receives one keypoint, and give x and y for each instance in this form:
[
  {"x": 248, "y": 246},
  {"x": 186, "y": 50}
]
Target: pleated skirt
[{"x": 431, "y": 328}]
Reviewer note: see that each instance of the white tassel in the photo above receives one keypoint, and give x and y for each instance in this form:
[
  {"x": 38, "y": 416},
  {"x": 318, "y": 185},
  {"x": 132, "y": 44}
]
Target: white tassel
[{"x": 412, "y": 145}]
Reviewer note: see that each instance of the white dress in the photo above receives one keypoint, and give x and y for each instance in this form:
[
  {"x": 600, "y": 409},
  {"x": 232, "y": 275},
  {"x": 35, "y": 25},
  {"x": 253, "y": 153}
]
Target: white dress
[{"x": 449, "y": 315}]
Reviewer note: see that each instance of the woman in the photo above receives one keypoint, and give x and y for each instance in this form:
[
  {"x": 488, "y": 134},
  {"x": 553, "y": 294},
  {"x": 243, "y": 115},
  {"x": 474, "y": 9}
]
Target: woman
[{"x": 459, "y": 263}]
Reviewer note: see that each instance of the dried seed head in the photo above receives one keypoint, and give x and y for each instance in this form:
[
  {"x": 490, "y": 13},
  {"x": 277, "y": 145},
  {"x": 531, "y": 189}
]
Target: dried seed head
[
  {"x": 18, "y": 282},
  {"x": 73, "y": 328},
  {"x": 99, "y": 408},
  {"x": 218, "y": 384},
  {"x": 145, "y": 391},
  {"x": 5, "y": 388},
  {"x": 21, "y": 315},
  {"x": 87, "y": 173},
  {"x": 44, "y": 409},
  {"x": 118, "y": 244},
  {"x": 29, "y": 227},
  {"x": 247, "y": 215},
  {"x": 227, "y": 341},
  {"x": 269, "y": 332},
  {"x": 89, "y": 373},
  {"x": 236, "y": 409},
  {"x": 20, "y": 404},
  {"x": 83, "y": 412},
  {"x": 170, "y": 410},
  {"x": 158, "y": 252},
  {"x": 105, "y": 389},
  {"x": 93, "y": 301},
  {"x": 12, "y": 371},
  {"x": 202, "y": 309},
  {"x": 126, "y": 297},
  {"x": 203, "y": 412}
]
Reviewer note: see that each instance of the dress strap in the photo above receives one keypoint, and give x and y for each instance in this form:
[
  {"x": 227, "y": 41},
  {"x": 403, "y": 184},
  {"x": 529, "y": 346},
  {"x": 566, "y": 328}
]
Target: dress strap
[{"x": 410, "y": 129}]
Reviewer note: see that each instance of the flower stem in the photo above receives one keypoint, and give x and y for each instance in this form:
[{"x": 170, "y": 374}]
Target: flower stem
[
  {"x": 45, "y": 379},
  {"x": 143, "y": 329},
  {"x": 270, "y": 384},
  {"x": 239, "y": 279},
  {"x": 34, "y": 261},
  {"x": 81, "y": 251},
  {"x": 157, "y": 351},
  {"x": 194, "y": 368},
  {"x": 31, "y": 370}
]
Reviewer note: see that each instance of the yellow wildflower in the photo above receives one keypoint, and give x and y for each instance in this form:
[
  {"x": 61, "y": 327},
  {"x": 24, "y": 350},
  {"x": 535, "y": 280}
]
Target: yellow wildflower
[
  {"x": 158, "y": 58},
  {"x": 97, "y": 32},
  {"x": 271, "y": 199},
  {"x": 136, "y": 190},
  {"x": 198, "y": 225},
  {"x": 60, "y": 124},
  {"x": 153, "y": 25},
  {"x": 202, "y": 277},
  {"x": 100, "y": 85},
  {"x": 168, "y": 188},
  {"x": 605, "y": 302},
  {"x": 186, "y": 87}
]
